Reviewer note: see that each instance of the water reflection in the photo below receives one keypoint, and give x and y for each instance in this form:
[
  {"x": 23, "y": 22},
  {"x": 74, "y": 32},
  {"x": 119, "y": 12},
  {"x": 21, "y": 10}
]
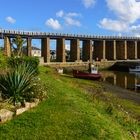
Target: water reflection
[{"x": 122, "y": 79}]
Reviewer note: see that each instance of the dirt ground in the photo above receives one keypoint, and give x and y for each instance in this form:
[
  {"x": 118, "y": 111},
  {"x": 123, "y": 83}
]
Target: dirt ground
[{"x": 122, "y": 93}]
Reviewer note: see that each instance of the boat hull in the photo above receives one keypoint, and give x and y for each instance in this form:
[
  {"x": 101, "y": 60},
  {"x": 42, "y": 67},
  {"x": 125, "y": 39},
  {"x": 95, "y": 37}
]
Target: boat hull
[
  {"x": 82, "y": 75},
  {"x": 134, "y": 70}
]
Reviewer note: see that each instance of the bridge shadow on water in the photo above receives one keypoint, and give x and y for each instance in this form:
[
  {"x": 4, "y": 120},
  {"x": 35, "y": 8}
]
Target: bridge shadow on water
[{"x": 122, "y": 79}]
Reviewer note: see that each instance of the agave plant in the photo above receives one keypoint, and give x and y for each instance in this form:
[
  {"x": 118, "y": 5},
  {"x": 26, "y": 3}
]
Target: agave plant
[{"x": 16, "y": 83}]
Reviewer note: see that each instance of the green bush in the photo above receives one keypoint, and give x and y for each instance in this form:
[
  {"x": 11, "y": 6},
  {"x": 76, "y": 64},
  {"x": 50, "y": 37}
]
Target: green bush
[
  {"x": 17, "y": 83},
  {"x": 16, "y": 61},
  {"x": 39, "y": 91},
  {"x": 3, "y": 60},
  {"x": 110, "y": 109}
]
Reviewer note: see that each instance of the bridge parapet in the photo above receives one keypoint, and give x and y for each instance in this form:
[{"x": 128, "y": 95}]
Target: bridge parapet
[{"x": 40, "y": 34}]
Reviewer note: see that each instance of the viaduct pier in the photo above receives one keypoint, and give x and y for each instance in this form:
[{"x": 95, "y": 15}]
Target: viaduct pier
[{"x": 101, "y": 48}]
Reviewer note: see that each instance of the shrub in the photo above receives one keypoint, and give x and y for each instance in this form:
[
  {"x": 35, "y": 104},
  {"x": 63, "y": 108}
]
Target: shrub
[
  {"x": 16, "y": 61},
  {"x": 17, "y": 83},
  {"x": 38, "y": 91},
  {"x": 110, "y": 109},
  {"x": 3, "y": 60}
]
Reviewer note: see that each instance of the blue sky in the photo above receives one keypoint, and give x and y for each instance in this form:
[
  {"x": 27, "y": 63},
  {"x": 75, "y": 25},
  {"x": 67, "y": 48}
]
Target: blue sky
[{"x": 99, "y": 17}]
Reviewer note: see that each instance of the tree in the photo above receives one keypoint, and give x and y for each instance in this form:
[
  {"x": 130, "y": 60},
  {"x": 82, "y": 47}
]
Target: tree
[{"x": 19, "y": 42}]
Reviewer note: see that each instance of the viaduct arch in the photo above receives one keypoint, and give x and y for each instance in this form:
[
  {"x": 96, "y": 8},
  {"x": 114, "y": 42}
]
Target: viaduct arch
[{"x": 100, "y": 48}]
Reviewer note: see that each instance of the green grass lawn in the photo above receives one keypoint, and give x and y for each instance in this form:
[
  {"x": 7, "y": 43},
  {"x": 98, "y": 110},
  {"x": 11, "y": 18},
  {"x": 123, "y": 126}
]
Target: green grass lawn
[{"x": 71, "y": 113}]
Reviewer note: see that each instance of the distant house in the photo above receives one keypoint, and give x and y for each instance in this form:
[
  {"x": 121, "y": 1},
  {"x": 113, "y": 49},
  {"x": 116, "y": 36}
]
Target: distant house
[{"x": 36, "y": 52}]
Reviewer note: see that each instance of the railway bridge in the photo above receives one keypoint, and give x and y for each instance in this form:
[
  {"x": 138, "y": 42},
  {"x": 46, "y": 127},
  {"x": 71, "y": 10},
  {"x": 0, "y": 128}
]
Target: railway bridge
[{"x": 101, "y": 48}]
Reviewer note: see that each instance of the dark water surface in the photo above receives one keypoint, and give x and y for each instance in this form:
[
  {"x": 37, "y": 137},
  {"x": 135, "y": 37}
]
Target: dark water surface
[{"x": 122, "y": 79}]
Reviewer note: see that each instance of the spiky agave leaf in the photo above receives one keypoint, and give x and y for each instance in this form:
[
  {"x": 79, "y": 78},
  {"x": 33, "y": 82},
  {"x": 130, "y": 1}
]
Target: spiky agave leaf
[{"x": 17, "y": 83}]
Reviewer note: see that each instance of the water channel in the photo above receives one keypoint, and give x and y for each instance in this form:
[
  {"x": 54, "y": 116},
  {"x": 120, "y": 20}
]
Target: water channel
[{"x": 122, "y": 79}]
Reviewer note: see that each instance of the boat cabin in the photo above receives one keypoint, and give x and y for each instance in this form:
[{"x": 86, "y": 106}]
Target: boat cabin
[{"x": 94, "y": 69}]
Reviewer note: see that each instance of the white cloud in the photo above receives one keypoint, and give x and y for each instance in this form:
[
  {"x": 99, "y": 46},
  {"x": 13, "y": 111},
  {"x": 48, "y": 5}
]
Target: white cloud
[
  {"x": 67, "y": 46},
  {"x": 73, "y": 14},
  {"x": 135, "y": 30},
  {"x": 126, "y": 10},
  {"x": 10, "y": 20},
  {"x": 69, "y": 18},
  {"x": 54, "y": 24},
  {"x": 88, "y": 3},
  {"x": 113, "y": 25},
  {"x": 120, "y": 27},
  {"x": 119, "y": 34},
  {"x": 127, "y": 13},
  {"x": 60, "y": 13},
  {"x": 72, "y": 22}
]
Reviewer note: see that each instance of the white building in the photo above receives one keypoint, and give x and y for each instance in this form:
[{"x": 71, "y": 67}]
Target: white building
[{"x": 36, "y": 52}]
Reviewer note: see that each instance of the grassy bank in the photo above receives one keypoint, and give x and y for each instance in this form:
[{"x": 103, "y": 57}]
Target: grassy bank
[{"x": 74, "y": 109}]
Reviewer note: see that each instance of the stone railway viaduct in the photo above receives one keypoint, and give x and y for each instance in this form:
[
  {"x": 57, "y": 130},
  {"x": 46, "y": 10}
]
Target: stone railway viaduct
[{"x": 102, "y": 48}]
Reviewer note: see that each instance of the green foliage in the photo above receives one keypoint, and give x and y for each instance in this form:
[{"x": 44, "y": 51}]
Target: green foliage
[
  {"x": 39, "y": 91},
  {"x": 3, "y": 60},
  {"x": 19, "y": 42},
  {"x": 17, "y": 83},
  {"x": 69, "y": 113},
  {"x": 109, "y": 109},
  {"x": 15, "y": 62}
]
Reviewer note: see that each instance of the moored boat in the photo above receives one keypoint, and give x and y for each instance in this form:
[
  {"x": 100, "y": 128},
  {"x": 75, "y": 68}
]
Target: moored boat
[
  {"x": 136, "y": 69},
  {"x": 138, "y": 86},
  {"x": 84, "y": 75}
]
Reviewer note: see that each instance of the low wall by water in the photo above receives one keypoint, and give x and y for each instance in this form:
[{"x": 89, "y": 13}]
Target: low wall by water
[
  {"x": 82, "y": 65},
  {"x": 124, "y": 65},
  {"x": 104, "y": 64}
]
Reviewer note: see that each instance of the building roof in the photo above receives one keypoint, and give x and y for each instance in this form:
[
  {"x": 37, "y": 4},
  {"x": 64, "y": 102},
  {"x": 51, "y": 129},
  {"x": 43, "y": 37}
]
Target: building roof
[{"x": 35, "y": 48}]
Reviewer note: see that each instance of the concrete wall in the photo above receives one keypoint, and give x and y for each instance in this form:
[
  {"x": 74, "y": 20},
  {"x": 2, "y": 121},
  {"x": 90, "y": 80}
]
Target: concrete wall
[
  {"x": 60, "y": 50},
  {"x": 45, "y": 49},
  {"x": 29, "y": 47},
  {"x": 7, "y": 46},
  {"x": 109, "y": 50},
  {"x": 75, "y": 50},
  {"x": 98, "y": 50},
  {"x": 138, "y": 44},
  {"x": 120, "y": 50},
  {"x": 87, "y": 50},
  {"x": 130, "y": 49}
]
